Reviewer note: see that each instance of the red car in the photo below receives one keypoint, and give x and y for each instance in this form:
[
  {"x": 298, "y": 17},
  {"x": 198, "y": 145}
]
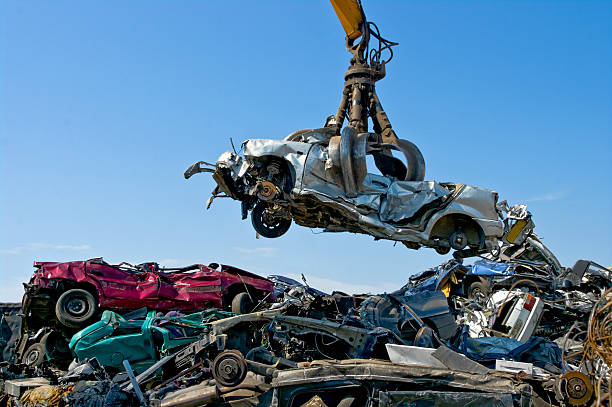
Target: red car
[{"x": 74, "y": 291}]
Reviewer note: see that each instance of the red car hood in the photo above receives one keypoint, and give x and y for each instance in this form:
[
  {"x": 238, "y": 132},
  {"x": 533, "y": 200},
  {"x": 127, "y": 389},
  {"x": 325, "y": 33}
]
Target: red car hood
[
  {"x": 240, "y": 272},
  {"x": 55, "y": 269}
]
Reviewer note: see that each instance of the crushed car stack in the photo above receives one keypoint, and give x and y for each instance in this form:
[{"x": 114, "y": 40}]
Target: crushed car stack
[
  {"x": 499, "y": 333},
  {"x": 514, "y": 328}
]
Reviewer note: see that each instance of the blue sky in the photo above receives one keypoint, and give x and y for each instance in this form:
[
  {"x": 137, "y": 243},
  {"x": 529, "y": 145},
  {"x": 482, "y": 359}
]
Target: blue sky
[{"x": 104, "y": 104}]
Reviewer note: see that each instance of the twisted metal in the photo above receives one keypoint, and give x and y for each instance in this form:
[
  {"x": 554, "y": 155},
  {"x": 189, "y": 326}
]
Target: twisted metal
[{"x": 598, "y": 348}]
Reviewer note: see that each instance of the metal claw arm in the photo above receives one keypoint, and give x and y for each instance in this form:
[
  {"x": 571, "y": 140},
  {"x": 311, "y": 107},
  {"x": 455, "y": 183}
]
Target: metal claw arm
[{"x": 359, "y": 100}]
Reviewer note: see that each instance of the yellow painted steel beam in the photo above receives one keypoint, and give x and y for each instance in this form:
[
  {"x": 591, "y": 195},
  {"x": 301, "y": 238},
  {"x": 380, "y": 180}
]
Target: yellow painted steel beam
[{"x": 350, "y": 15}]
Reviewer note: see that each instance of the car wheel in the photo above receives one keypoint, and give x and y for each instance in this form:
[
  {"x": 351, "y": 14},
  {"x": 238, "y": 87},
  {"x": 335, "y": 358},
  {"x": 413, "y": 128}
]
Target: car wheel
[
  {"x": 34, "y": 355},
  {"x": 442, "y": 250},
  {"x": 267, "y": 222},
  {"x": 458, "y": 240},
  {"x": 242, "y": 304},
  {"x": 229, "y": 368},
  {"x": 478, "y": 288},
  {"x": 75, "y": 308}
]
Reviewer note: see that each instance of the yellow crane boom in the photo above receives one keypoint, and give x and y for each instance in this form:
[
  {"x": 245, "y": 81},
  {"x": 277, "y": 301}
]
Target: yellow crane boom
[{"x": 351, "y": 16}]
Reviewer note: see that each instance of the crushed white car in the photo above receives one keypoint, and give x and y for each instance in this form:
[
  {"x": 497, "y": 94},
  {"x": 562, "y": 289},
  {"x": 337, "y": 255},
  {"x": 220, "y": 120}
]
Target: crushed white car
[{"x": 320, "y": 180}]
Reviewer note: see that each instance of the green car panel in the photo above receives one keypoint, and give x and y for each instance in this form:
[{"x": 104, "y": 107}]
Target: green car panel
[{"x": 114, "y": 338}]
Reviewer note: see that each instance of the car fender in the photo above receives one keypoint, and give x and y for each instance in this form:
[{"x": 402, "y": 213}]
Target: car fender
[
  {"x": 72, "y": 273},
  {"x": 490, "y": 228},
  {"x": 476, "y": 203},
  {"x": 292, "y": 152}
]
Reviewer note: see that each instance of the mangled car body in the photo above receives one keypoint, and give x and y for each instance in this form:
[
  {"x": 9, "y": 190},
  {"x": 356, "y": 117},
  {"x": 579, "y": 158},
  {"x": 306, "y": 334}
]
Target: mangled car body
[
  {"x": 485, "y": 276},
  {"x": 142, "y": 341},
  {"x": 312, "y": 349},
  {"x": 320, "y": 180},
  {"x": 284, "y": 284},
  {"x": 383, "y": 384},
  {"x": 520, "y": 242},
  {"x": 62, "y": 298},
  {"x": 515, "y": 298},
  {"x": 74, "y": 291}
]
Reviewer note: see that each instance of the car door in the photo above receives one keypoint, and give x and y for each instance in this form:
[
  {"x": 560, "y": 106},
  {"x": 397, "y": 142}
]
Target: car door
[
  {"x": 124, "y": 287},
  {"x": 193, "y": 289},
  {"x": 148, "y": 286}
]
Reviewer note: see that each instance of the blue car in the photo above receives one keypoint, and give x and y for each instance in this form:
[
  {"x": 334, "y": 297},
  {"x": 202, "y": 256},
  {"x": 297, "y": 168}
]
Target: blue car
[
  {"x": 446, "y": 278},
  {"x": 482, "y": 278},
  {"x": 485, "y": 276}
]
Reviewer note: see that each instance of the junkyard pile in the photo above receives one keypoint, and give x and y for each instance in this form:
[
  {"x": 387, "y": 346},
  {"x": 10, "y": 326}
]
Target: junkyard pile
[
  {"x": 513, "y": 328},
  {"x": 511, "y": 332}
]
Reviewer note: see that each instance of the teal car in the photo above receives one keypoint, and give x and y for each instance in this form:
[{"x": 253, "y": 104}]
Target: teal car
[{"x": 141, "y": 341}]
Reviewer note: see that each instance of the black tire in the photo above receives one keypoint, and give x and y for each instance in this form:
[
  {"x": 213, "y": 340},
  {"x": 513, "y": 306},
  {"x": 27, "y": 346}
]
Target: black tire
[
  {"x": 34, "y": 355},
  {"x": 75, "y": 308},
  {"x": 442, "y": 250},
  {"x": 477, "y": 288},
  {"x": 241, "y": 303},
  {"x": 266, "y": 223}
]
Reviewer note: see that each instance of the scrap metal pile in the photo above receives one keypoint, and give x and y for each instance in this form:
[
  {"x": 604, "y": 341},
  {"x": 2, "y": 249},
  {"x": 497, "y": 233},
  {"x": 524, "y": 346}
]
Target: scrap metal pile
[
  {"x": 511, "y": 333},
  {"x": 513, "y": 328}
]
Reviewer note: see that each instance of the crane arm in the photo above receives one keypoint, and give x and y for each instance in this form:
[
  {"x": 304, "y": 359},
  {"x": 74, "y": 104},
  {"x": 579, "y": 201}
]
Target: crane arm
[{"x": 351, "y": 17}]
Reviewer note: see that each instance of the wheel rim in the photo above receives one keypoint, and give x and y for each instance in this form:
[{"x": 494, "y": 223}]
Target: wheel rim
[
  {"x": 229, "y": 369},
  {"x": 269, "y": 220},
  {"x": 77, "y": 306},
  {"x": 458, "y": 240},
  {"x": 443, "y": 250},
  {"x": 478, "y": 294},
  {"x": 32, "y": 357}
]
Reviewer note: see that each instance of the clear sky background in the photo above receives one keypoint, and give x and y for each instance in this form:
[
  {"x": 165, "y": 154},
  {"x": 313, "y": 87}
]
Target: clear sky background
[{"x": 104, "y": 104}]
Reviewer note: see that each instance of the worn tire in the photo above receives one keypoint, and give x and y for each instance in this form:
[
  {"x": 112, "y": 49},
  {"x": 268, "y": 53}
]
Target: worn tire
[
  {"x": 477, "y": 287},
  {"x": 241, "y": 303},
  {"x": 34, "y": 355},
  {"x": 75, "y": 308},
  {"x": 261, "y": 222},
  {"x": 442, "y": 250}
]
